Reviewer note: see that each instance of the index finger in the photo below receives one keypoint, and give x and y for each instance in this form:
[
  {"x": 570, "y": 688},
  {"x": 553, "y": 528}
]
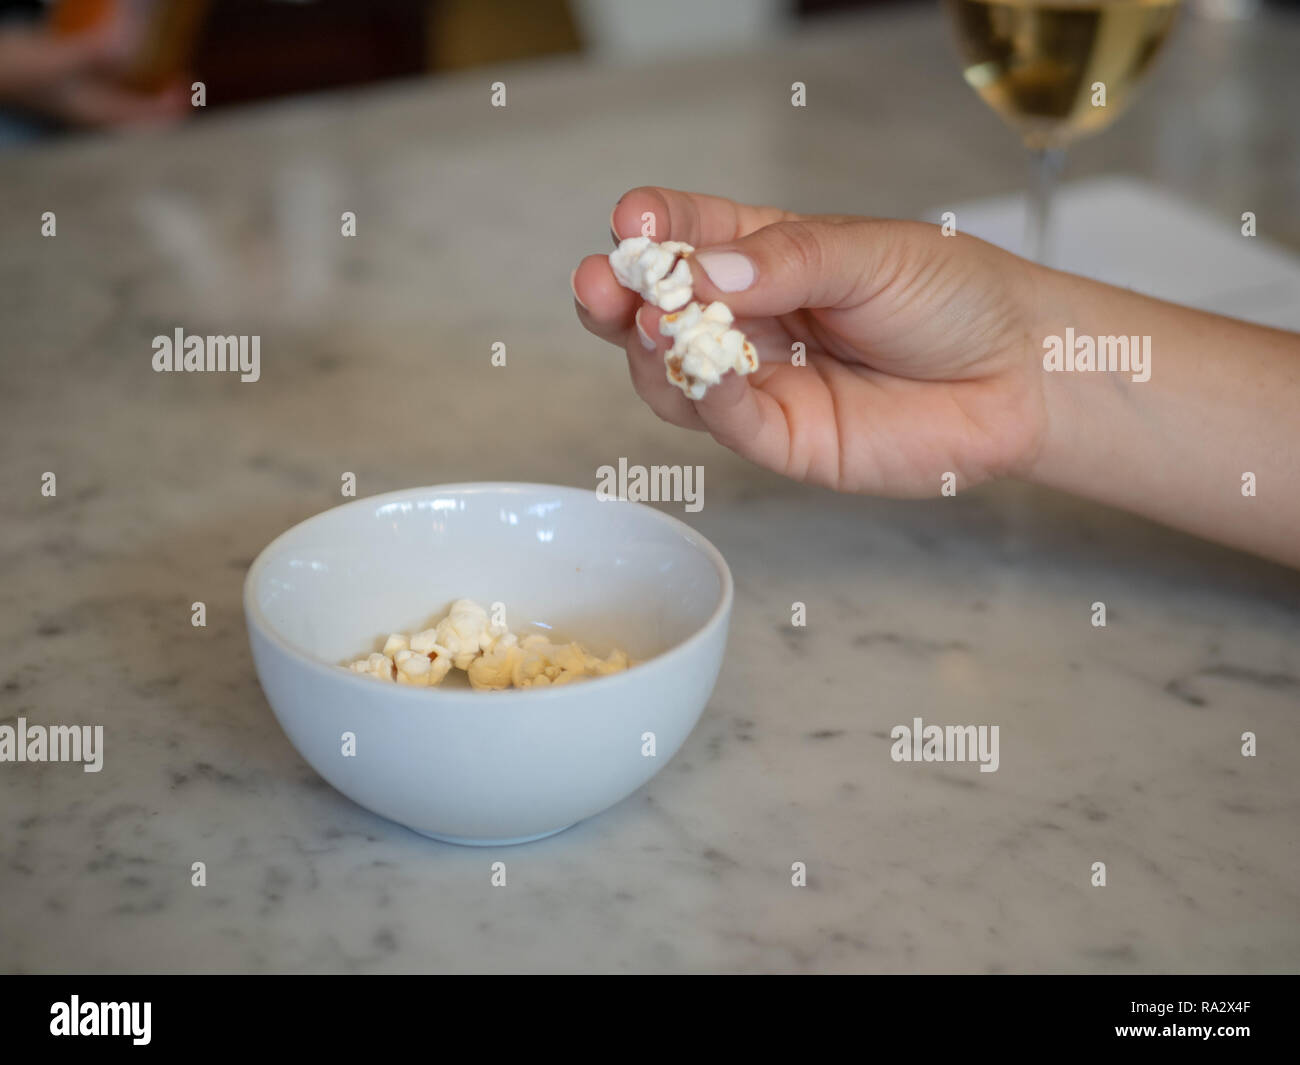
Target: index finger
[
  {"x": 689, "y": 217},
  {"x": 685, "y": 216}
]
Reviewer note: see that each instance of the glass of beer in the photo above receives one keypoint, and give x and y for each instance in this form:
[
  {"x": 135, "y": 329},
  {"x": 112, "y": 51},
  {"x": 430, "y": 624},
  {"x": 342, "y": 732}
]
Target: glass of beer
[{"x": 1056, "y": 70}]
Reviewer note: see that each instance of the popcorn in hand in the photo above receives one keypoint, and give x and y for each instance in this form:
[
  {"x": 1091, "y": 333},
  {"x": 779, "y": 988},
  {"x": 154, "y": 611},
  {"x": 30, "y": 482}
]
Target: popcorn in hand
[
  {"x": 648, "y": 268},
  {"x": 705, "y": 347}
]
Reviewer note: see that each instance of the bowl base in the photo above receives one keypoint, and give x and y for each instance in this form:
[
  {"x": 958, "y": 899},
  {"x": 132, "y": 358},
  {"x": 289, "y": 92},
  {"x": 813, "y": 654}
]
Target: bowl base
[{"x": 463, "y": 841}]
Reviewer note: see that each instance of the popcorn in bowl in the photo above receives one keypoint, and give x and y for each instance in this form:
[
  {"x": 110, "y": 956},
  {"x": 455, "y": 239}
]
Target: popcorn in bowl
[
  {"x": 705, "y": 345},
  {"x": 492, "y": 657}
]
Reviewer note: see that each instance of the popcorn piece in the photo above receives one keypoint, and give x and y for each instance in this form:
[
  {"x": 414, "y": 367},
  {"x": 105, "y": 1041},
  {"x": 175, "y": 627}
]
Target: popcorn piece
[
  {"x": 675, "y": 290},
  {"x": 439, "y": 666},
  {"x": 603, "y": 667},
  {"x": 648, "y": 268},
  {"x": 421, "y": 670},
  {"x": 375, "y": 665},
  {"x": 464, "y": 632},
  {"x": 625, "y": 262},
  {"x": 704, "y": 348},
  {"x": 494, "y": 669},
  {"x": 543, "y": 661},
  {"x": 413, "y": 669},
  {"x": 426, "y": 642},
  {"x": 570, "y": 661},
  {"x": 569, "y": 658},
  {"x": 529, "y": 668},
  {"x": 396, "y": 642}
]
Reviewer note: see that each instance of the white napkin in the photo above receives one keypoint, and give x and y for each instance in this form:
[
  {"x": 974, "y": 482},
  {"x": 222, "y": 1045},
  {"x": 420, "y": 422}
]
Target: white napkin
[{"x": 1126, "y": 232}]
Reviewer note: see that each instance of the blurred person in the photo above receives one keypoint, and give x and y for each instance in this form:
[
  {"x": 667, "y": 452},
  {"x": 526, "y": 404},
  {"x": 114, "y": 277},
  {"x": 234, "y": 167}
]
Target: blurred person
[{"x": 68, "y": 71}]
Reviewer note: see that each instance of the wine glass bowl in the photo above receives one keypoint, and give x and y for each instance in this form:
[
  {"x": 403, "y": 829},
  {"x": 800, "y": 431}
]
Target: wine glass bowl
[{"x": 1056, "y": 71}]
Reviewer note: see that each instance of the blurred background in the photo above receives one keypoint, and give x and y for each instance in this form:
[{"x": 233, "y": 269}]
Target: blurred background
[
  {"x": 206, "y": 148},
  {"x": 250, "y": 50},
  {"x": 69, "y": 66}
]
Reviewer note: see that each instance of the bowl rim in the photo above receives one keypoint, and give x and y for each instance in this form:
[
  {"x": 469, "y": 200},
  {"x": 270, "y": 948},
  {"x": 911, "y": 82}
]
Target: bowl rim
[{"x": 254, "y": 617}]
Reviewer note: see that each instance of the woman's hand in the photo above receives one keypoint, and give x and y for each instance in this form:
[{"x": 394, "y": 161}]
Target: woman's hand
[
  {"x": 925, "y": 356},
  {"x": 919, "y": 358}
]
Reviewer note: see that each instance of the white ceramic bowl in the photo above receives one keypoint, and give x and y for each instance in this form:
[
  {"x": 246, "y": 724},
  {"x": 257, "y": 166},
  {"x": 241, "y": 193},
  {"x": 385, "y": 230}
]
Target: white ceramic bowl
[{"x": 488, "y": 767}]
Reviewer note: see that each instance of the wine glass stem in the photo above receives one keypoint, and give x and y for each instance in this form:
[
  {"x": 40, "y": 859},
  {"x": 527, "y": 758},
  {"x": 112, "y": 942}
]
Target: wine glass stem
[{"x": 1047, "y": 164}]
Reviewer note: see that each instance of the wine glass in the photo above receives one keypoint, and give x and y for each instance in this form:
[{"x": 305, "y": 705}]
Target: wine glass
[{"x": 1056, "y": 70}]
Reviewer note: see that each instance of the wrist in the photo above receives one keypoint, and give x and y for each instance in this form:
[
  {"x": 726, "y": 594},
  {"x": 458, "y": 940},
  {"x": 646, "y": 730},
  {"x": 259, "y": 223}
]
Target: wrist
[{"x": 1085, "y": 423}]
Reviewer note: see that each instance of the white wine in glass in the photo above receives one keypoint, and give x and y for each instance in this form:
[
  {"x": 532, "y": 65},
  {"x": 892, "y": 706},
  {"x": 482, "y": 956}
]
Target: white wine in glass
[{"x": 1057, "y": 70}]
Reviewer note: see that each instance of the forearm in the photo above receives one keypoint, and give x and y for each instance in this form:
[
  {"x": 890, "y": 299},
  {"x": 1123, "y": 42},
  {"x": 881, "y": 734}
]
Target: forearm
[{"x": 1222, "y": 402}]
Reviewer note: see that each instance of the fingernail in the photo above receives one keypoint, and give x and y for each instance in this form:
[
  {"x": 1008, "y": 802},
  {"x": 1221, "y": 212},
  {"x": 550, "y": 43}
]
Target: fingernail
[
  {"x": 728, "y": 270},
  {"x": 573, "y": 284},
  {"x": 647, "y": 341}
]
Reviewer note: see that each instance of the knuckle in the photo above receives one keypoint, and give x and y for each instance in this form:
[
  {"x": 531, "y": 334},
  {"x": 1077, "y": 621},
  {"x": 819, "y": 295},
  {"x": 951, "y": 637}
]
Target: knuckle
[{"x": 799, "y": 247}]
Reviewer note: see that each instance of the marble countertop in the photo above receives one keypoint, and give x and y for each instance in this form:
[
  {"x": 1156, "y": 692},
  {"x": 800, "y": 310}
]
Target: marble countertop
[{"x": 1118, "y": 744}]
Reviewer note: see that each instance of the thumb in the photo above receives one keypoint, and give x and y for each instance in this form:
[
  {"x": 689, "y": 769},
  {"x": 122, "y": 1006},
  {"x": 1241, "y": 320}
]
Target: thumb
[{"x": 788, "y": 265}]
